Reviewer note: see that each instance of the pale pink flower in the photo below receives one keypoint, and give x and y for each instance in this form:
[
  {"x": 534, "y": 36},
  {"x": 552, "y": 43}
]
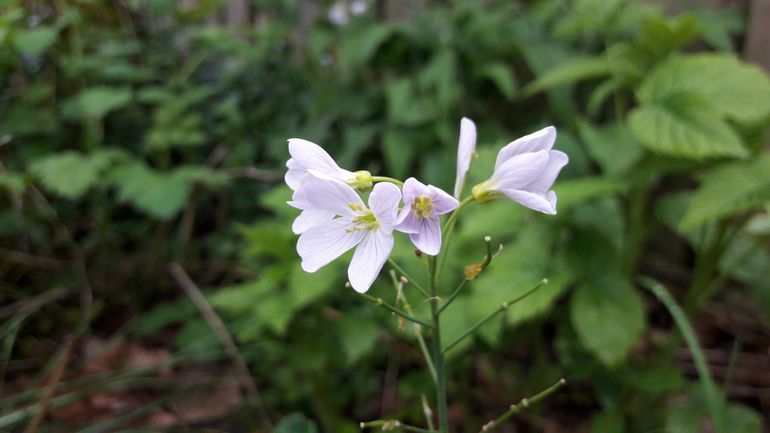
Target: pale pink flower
[
  {"x": 352, "y": 224},
  {"x": 524, "y": 171},
  {"x": 309, "y": 158},
  {"x": 465, "y": 150},
  {"x": 419, "y": 217}
]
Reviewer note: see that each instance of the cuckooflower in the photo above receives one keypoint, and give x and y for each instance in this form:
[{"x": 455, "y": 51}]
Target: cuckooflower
[
  {"x": 419, "y": 217},
  {"x": 465, "y": 149},
  {"x": 310, "y": 215},
  {"x": 370, "y": 230},
  {"x": 525, "y": 171},
  {"x": 308, "y": 157}
]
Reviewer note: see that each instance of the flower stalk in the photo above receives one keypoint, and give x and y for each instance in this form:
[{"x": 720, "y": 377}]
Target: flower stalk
[
  {"x": 523, "y": 404},
  {"x": 380, "y": 302}
]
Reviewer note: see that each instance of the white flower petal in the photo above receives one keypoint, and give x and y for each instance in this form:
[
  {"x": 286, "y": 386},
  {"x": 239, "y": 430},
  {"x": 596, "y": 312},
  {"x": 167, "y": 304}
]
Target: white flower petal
[
  {"x": 383, "y": 201},
  {"x": 321, "y": 244},
  {"x": 331, "y": 195},
  {"x": 520, "y": 170},
  {"x": 310, "y": 156},
  {"x": 442, "y": 202},
  {"x": 535, "y": 142},
  {"x": 414, "y": 188},
  {"x": 408, "y": 221},
  {"x": 465, "y": 149},
  {"x": 428, "y": 237},
  {"x": 556, "y": 161},
  {"x": 545, "y": 203},
  {"x": 369, "y": 258},
  {"x": 310, "y": 218},
  {"x": 294, "y": 174}
]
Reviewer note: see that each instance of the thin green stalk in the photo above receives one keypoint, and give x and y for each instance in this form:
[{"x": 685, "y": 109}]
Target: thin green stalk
[
  {"x": 398, "y": 285},
  {"x": 523, "y": 404},
  {"x": 713, "y": 397},
  {"x": 438, "y": 354},
  {"x": 448, "y": 229},
  {"x": 411, "y": 280},
  {"x": 453, "y": 295},
  {"x": 427, "y": 411},
  {"x": 387, "y": 179},
  {"x": 393, "y": 424},
  {"x": 705, "y": 267},
  {"x": 481, "y": 266},
  {"x": 381, "y": 303},
  {"x": 504, "y": 306}
]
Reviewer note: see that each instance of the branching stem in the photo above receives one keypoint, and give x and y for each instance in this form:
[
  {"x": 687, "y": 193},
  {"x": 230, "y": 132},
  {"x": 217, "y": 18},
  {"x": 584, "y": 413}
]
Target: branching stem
[{"x": 523, "y": 404}]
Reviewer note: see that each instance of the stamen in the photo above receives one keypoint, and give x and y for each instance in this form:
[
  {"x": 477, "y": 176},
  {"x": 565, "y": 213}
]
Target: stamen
[{"x": 423, "y": 206}]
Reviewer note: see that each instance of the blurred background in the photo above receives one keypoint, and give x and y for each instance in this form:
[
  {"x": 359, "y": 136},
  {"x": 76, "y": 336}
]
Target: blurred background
[{"x": 148, "y": 273}]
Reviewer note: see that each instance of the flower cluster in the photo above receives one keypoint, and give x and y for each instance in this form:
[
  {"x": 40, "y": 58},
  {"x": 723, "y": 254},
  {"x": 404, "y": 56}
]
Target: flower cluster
[{"x": 334, "y": 218}]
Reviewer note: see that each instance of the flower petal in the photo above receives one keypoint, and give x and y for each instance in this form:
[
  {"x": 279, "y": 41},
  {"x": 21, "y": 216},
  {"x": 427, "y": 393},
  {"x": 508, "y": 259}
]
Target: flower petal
[
  {"x": 408, "y": 221},
  {"x": 414, "y": 188},
  {"x": 310, "y": 218},
  {"x": 442, "y": 202},
  {"x": 294, "y": 174},
  {"x": 535, "y": 142},
  {"x": 520, "y": 170},
  {"x": 383, "y": 201},
  {"x": 556, "y": 161},
  {"x": 323, "y": 243},
  {"x": 545, "y": 203},
  {"x": 369, "y": 258},
  {"x": 331, "y": 195},
  {"x": 428, "y": 238},
  {"x": 465, "y": 149},
  {"x": 310, "y": 156}
]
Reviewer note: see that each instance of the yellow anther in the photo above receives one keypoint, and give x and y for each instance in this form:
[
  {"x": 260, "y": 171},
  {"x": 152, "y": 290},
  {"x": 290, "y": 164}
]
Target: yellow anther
[
  {"x": 423, "y": 206},
  {"x": 356, "y": 207}
]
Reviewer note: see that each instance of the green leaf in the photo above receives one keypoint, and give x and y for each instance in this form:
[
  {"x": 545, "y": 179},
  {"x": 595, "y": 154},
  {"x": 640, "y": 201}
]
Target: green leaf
[
  {"x": 96, "y": 102},
  {"x": 613, "y": 146},
  {"x": 358, "y": 48},
  {"x": 575, "y": 191},
  {"x": 295, "y": 423},
  {"x": 502, "y": 77},
  {"x": 608, "y": 316},
  {"x": 358, "y": 335},
  {"x": 571, "y": 71},
  {"x": 685, "y": 128},
  {"x": 728, "y": 190},
  {"x": 70, "y": 174},
  {"x": 722, "y": 84},
  {"x": 35, "y": 41},
  {"x": 161, "y": 195}
]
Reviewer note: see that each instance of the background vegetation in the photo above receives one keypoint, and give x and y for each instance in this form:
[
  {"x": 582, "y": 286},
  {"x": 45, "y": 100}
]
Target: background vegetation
[{"x": 134, "y": 135}]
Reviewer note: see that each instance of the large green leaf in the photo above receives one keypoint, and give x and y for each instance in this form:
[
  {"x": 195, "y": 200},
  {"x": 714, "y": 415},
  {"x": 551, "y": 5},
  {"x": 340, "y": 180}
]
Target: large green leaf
[
  {"x": 683, "y": 127},
  {"x": 96, "y": 102},
  {"x": 608, "y": 316},
  {"x": 730, "y": 189},
  {"x": 612, "y": 146},
  {"x": 35, "y": 41},
  {"x": 71, "y": 174}
]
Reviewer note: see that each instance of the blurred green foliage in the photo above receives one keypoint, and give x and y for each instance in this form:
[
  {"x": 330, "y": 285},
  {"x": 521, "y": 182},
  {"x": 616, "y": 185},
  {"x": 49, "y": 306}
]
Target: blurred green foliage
[{"x": 134, "y": 134}]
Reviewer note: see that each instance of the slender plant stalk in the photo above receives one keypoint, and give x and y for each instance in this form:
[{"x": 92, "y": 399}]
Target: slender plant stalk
[
  {"x": 381, "y": 303},
  {"x": 714, "y": 399},
  {"x": 387, "y": 179},
  {"x": 481, "y": 266},
  {"x": 504, "y": 306},
  {"x": 448, "y": 229},
  {"x": 394, "y": 424},
  {"x": 438, "y": 354},
  {"x": 523, "y": 404},
  {"x": 399, "y": 285},
  {"x": 411, "y": 280}
]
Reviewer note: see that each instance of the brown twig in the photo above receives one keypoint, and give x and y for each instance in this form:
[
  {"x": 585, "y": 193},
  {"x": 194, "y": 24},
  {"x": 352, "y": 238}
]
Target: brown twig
[{"x": 227, "y": 341}]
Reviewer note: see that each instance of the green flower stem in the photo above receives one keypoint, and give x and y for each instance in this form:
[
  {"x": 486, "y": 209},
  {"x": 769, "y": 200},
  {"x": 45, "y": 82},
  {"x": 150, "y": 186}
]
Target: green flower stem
[
  {"x": 381, "y": 303},
  {"x": 398, "y": 285},
  {"x": 523, "y": 404},
  {"x": 393, "y": 424},
  {"x": 427, "y": 411},
  {"x": 387, "y": 179},
  {"x": 483, "y": 265},
  {"x": 504, "y": 306},
  {"x": 448, "y": 229},
  {"x": 411, "y": 280},
  {"x": 438, "y": 354}
]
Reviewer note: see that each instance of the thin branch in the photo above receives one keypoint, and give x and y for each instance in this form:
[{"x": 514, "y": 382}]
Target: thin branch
[
  {"x": 394, "y": 424},
  {"x": 504, "y": 306},
  {"x": 51, "y": 383},
  {"x": 227, "y": 341},
  {"x": 34, "y": 303},
  {"x": 381, "y": 303},
  {"x": 398, "y": 284},
  {"x": 411, "y": 280},
  {"x": 523, "y": 404}
]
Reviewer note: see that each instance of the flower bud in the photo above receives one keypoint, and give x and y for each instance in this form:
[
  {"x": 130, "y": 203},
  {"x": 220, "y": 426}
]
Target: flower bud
[{"x": 362, "y": 181}]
